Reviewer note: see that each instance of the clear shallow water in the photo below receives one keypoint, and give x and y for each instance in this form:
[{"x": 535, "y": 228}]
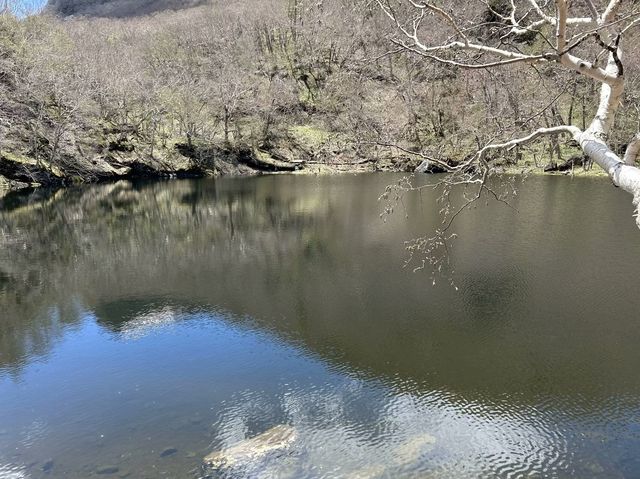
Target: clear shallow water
[{"x": 139, "y": 319}]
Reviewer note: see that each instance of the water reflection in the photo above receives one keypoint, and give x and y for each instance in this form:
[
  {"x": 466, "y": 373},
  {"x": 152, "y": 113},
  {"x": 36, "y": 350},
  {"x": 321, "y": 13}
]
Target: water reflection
[
  {"x": 139, "y": 318},
  {"x": 403, "y": 436}
]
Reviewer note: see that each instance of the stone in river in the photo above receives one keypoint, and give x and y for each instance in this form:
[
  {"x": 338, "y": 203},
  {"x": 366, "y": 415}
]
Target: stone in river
[
  {"x": 277, "y": 438},
  {"x": 369, "y": 472},
  {"x": 104, "y": 470},
  {"x": 194, "y": 420},
  {"x": 169, "y": 451},
  {"x": 47, "y": 466},
  {"x": 410, "y": 451}
]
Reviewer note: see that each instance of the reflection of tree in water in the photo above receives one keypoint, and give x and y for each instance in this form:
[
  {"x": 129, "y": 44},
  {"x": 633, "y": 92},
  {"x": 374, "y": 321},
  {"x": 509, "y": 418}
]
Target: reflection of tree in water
[
  {"x": 105, "y": 243},
  {"x": 310, "y": 264},
  {"x": 490, "y": 293},
  {"x": 32, "y": 319},
  {"x": 34, "y": 308}
]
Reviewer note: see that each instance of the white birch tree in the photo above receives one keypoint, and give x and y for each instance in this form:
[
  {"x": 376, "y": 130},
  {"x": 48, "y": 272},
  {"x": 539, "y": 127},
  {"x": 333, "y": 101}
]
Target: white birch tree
[{"x": 566, "y": 27}]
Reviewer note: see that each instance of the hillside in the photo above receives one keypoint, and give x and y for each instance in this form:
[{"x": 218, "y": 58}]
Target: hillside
[{"x": 252, "y": 86}]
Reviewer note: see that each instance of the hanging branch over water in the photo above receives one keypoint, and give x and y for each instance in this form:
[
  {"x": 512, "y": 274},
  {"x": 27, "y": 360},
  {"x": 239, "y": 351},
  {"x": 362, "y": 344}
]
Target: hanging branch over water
[
  {"x": 608, "y": 26},
  {"x": 577, "y": 28}
]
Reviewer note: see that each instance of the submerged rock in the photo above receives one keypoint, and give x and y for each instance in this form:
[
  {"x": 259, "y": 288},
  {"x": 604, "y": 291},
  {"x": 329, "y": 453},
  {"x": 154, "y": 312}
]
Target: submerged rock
[
  {"x": 195, "y": 420},
  {"x": 277, "y": 438},
  {"x": 47, "y": 466},
  {"x": 369, "y": 472},
  {"x": 104, "y": 470},
  {"x": 410, "y": 451},
  {"x": 168, "y": 452}
]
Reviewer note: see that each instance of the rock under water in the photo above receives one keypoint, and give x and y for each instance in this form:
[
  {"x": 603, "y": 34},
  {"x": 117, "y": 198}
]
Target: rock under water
[
  {"x": 107, "y": 470},
  {"x": 277, "y": 438},
  {"x": 410, "y": 451}
]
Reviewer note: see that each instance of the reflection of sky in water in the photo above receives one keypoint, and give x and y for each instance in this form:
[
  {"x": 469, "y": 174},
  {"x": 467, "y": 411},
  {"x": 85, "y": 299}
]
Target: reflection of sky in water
[
  {"x": 233, "y": 382},
  {"x": 146, "y": 323}
]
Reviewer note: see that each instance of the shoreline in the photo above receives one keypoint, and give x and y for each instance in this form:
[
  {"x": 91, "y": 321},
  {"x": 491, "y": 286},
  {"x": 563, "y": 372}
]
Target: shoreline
[
  {"x": 12, "y": 187},
  {"x": 22, "y": 173}
]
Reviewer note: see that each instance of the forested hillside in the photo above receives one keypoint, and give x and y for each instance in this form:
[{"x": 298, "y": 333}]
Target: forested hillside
[{"x": 253, "y": 85}]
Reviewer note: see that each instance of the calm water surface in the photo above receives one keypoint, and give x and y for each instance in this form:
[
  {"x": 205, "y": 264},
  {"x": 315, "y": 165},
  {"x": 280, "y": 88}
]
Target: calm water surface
[{"x": 144, "y": 326}]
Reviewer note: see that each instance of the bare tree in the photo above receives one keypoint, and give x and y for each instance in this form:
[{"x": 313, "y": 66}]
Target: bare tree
[{"x": 567, "y": 31}]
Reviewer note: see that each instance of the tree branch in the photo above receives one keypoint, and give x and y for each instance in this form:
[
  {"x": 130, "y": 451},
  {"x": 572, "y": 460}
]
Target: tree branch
[
  {"x": 509, "y": 145},
  {"x": 516, "y": 58},
  {"x": 592, "y": 141},
  {"x": 593, "y": 10},
  {"x": 610, "y": 11},
  {"x": 552, "y": 21},
  {"x": 561, "y": 24},
  {"x": 439, "y": 11},
  {"x": 633, "y": 149}
]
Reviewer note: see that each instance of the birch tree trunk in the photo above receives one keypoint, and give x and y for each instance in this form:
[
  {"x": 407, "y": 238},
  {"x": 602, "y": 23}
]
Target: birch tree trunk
[{"x": 574, "y": 24}]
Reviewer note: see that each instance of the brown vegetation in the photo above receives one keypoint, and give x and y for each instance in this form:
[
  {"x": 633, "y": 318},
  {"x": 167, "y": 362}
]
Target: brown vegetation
[{"x": 243, "y": 86}]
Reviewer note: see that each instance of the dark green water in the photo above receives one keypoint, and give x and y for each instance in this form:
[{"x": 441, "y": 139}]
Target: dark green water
[{"x": 190, "y": 315}]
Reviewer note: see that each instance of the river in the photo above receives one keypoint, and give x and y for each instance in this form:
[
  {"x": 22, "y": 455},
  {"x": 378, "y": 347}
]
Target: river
[{"x": 143, "y": 326}]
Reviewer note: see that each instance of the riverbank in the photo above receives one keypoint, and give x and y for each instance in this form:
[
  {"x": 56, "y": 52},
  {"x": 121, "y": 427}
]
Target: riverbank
[
  {"x": 103, "y": 155},
  {"x": 28, "y": 174},
  {"x": 122, "y": 158},
  {"x": 20, "y": 172}
]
